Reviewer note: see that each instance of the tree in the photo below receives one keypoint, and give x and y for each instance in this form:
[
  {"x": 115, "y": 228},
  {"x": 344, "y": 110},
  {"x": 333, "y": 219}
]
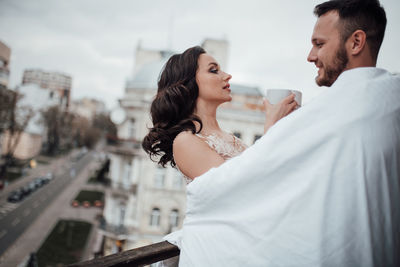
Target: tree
[
  {"x": 103, "y": 122},
  {"x": 7, "y": 103},
  {"x": 66, "y": 130},
  {"x": 87, "y": 134},
  {"x": 91, "y": 137},
  {"x": 13, "y": 121},
  {"x": 60, "y": 131}
]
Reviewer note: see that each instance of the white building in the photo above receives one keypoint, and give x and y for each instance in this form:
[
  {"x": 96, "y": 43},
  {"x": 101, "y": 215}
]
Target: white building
[
  {"x": 219, "y": 49},
  {"x": 145, "y": 201},
  {"x": 59, "y": 84}
]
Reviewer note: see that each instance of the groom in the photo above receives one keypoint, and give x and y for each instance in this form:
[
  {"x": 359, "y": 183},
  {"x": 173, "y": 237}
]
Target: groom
[
  {"x": 347, "y": 35},
  {"x": 322, "y": 187}
]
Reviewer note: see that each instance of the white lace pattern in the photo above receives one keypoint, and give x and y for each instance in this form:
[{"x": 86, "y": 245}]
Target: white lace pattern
[{"x": 226, "y": 147}]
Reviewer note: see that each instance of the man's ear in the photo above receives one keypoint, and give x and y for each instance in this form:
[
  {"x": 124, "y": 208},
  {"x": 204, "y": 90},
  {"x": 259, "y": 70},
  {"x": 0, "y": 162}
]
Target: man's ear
[{"x": 357, "y": 42}]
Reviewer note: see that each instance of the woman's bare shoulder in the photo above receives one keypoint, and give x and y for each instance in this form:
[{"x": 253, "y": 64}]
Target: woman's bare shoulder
[
  {"x": 194, "y": 156},
  {"x": 185, "y": 139}
]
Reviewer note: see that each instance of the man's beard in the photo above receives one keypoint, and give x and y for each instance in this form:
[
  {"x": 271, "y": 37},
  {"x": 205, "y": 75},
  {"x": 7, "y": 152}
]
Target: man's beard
[{"x": 332, "y": 71}]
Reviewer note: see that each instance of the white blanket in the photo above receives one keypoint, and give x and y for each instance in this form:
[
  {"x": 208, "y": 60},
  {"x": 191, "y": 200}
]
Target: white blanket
[{"x": 321, "y": 188}]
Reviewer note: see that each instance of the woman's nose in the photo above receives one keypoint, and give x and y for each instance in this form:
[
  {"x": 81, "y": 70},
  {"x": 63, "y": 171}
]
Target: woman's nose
[{"x": 228, "y": 76}]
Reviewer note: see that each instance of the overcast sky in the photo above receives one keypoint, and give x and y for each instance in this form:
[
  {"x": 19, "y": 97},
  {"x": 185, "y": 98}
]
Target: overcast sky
[{"x": 94, "y": 40}]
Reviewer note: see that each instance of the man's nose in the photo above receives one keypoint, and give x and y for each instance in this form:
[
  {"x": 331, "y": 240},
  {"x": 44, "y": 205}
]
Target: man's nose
[{"x": 312, "y": 57}]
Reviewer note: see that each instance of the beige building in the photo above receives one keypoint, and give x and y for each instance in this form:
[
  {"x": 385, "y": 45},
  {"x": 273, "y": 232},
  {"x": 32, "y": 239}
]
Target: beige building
[
  {"x": 59, "y": 84},
  {"x": 5, "y": 53},
  {"x": 32, "y": 99},
  {"x": 87, "y": 107},
  {"x": 145, "y": 201},
  {"x": 29, "y": 145}
]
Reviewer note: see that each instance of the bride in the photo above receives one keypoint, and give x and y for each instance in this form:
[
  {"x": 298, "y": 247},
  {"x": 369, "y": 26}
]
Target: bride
[{"x": 185, "y": 130}]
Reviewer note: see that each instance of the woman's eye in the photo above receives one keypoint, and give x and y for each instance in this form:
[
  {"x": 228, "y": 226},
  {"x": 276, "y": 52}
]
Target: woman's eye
[
  {"x": 214, "y": 70},
  {"x": 319, "y": 44}
]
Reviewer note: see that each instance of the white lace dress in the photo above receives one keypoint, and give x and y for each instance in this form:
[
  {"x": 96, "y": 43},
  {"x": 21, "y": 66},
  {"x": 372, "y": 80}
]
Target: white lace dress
[{"x": 227, "y": 147}]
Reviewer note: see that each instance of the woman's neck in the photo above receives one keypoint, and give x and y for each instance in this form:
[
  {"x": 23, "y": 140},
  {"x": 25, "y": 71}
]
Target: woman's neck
[{"x": 208, "y": 115}]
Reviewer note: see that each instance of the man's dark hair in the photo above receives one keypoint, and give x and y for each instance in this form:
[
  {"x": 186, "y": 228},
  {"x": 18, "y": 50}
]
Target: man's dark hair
[{"x": 366, "y": 15}]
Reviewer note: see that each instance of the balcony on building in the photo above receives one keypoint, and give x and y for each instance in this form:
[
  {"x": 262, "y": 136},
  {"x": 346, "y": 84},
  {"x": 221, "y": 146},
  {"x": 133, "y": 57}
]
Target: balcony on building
[{"x": 117, "y": 232}]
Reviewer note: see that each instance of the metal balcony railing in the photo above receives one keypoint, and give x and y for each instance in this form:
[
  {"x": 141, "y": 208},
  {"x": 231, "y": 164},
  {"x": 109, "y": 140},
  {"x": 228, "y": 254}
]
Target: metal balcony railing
[
  {"x": 135, "y": 257},
  {"x": 120, "y": 187},
  {"x": 117, "y": 231}
]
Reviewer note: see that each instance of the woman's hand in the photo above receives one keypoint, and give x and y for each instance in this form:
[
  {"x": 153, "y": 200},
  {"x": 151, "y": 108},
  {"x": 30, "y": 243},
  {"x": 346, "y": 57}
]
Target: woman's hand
[{"x": 274, "y": 113}]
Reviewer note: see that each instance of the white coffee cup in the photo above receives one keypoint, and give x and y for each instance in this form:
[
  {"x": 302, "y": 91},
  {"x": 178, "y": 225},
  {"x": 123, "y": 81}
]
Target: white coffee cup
[{"x": 276, "y": 95}]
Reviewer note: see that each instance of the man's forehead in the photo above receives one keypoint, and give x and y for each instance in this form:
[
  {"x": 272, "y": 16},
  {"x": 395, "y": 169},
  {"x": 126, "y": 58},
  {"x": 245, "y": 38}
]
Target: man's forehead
[
  {"x": 326, "y": 25},
  {"x": 328, "y": 20}
]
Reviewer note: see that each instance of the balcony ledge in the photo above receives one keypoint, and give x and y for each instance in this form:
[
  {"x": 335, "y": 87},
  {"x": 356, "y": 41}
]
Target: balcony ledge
[{"x": 135, "y": 257}]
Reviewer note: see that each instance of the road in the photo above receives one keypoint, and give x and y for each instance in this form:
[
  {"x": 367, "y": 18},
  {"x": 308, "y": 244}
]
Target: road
[{"x": 20, "y": 216}]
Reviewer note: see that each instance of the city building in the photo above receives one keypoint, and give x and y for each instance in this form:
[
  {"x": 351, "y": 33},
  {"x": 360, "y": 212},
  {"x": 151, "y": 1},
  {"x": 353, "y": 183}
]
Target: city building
[
  {"x": 59, "y": 84},
  {"x": 5, "y": 93},
  {"x": 5, "y": 53},
  {"x": 144, "y": 201},
  {"x": 32, "y": 100},
  {"x": 219, "y": 49},
  {"x": 87, "y": 107}
]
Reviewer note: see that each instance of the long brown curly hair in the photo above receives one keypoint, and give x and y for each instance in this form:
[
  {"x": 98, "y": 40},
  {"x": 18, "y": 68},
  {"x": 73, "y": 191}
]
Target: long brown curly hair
[{"x": 173, "y": 107}]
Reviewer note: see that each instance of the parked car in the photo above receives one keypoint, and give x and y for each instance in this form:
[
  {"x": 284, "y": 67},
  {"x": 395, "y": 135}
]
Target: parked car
[
  {"x": 15, "y": 196},
  {"x": 33, "y": 186},
  {"x": 45, "y": 180},
  {"x": 49, "y": 175},
  {"x": 26, "y": 190},
  {"x": 39, "y": 182}
]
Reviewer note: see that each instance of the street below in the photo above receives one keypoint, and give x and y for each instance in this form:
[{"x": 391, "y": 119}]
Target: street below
[{"x": 14, "y": 222}]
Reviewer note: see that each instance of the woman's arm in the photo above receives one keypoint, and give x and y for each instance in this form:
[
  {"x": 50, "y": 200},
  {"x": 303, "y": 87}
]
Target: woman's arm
[
  {"x": 194, "y": 156},
  {"x": 274, "y": 113}
]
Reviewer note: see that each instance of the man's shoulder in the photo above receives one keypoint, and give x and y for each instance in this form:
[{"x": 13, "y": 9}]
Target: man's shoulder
[{"x": 365, "y": 75}]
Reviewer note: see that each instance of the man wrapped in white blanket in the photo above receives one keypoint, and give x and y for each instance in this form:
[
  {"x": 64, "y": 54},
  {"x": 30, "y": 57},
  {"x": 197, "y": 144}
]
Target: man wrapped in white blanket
[{"x": 321, "y": 188}]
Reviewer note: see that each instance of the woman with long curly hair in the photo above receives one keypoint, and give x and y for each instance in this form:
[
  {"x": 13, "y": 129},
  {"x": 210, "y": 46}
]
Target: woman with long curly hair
[{"x": 185, "y": 130}]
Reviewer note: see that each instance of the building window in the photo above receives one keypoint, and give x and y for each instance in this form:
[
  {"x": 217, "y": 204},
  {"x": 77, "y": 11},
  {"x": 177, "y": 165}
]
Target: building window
[
  {"x": 174, "y": 218},
  {"x": 121, "y": 215},
  {"x": 127, "y": 174},
  {"x": 155, "y": 217},
  {"x": 159, "y": 178},
  {"x": 256, "y": 137},
  {"x": 237, "y": 134},
  {"x": 178, "y": 180},
  {"x": 132, "y": 128}
]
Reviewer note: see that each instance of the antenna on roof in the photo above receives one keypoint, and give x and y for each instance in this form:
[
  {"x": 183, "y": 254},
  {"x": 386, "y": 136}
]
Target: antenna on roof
[{"x": 170, "y": 31}]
